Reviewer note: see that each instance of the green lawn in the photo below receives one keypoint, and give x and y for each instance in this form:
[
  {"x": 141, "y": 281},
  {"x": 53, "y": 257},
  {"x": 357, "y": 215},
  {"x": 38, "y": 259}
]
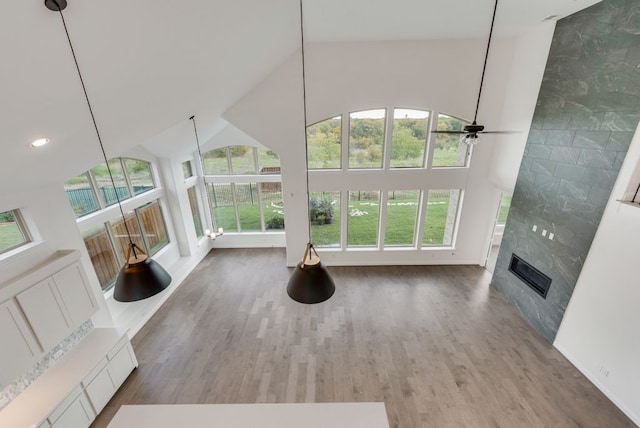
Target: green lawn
[
  {"x": 399, "y": 228},
  {"x": 9, "y": 235},
  {"x": 362, "y": 230}
]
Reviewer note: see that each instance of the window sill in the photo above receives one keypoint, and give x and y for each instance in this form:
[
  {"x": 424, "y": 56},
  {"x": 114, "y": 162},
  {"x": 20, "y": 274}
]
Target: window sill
[{"x": 21, "y": 250}]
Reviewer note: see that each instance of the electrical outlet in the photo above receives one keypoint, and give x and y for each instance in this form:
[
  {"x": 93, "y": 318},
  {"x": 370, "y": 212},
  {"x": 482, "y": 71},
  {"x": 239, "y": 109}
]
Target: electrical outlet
[
  {"x": 534, "y": 228},
  {"x": 551, "y": 235},
  {"x": 544, "y": 232},
  {"x": 604, "y": 371}
]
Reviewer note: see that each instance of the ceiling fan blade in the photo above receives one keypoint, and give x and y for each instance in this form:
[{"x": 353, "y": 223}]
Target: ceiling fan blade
[
  {"x": 449, "y": 132},
  {"x": 500, "y": 132}
]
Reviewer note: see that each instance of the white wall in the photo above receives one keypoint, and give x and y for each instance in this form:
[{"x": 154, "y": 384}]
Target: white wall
[
  {"x": 343, "y": 77},
  {"x": 48, "y": 214},
  {"x": 599, "y": 331},
  {"x": 521, "y": 93}
]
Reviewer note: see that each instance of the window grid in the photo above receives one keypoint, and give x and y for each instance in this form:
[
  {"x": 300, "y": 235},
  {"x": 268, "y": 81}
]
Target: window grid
[{"x": 237, "y": 180}]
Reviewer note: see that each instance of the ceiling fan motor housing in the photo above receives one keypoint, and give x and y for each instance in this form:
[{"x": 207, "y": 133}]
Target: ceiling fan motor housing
[{"x": 473, "y": 128}]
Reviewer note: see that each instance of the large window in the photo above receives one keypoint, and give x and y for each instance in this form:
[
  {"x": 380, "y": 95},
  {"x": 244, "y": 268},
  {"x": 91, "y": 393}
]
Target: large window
[
  {"x": 108, "y": 244},
  {"x": 449, "y": 149},
  {"x": 401, "y": 218},
  {"x": 244, "y": 189},
  {"x": 105, "y": 234},
  {"x": 440, "y": 219},
  {"x": 362, "y": 224},
  {"x": 410, "y": 128},
  {"x": 412, "y": 179},
  {"x": 93, "y": 190},
  {"x": 13, "y": 232},
  {"x": 195, "y": 211},
  {"x": 325, "y": 215},
  {"x": 366, "y": 138},
  {"x": 324, "y": 141}
]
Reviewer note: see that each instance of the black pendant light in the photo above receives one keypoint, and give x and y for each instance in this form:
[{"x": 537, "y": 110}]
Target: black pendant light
[
  {"x": 310, "y": 281},
  {"x": 211, "y": 233},
  {"x": 141, "y": 276}
]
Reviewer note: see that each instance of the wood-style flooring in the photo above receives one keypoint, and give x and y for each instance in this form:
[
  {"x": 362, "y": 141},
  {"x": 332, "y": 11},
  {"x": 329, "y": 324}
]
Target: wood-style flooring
[{"x": 435, "y": 343}]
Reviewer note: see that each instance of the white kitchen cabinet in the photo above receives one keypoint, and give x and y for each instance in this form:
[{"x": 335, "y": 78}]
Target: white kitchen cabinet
[
  {"x": 122, "y": 364},
  {"x": 20, "y": 349},
  {"x": 99, "y": 386},
  {"x": 78, "y": 414},
  {"x": 45, "y": 312},
  {"x": 57, "y": 305},
  {"x": 102, "y": 386},
  {"x": 75, "y": 294}
]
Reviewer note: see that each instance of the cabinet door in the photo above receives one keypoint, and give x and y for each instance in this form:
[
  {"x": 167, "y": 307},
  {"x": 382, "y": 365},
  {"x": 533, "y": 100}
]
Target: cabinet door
[
  {"x": 100, "y": 390},
  {"x": 122, "y": 364},
  {"x": 20, "y": 349},
  {"x": 78, "y": 415},
  {"x": 75, "y": 294},
  {"x": 45, "y": 313}
]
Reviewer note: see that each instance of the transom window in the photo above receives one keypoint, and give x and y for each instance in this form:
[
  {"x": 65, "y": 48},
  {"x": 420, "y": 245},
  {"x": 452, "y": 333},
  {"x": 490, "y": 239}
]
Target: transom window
[
  {"x": 13, "y": 231},
  {"x": 93, "y": 190},
  {"x": 386, "y": 138},
  {"x": 245, "y": 189}
]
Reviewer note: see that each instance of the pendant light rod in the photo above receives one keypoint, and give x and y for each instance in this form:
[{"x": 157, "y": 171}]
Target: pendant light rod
[
  {"x": 304, "y": 109},
  {"x": 57, "y": 6},
  {"x": 204, "y": 181},
  {"x": 486, "y": 56}
]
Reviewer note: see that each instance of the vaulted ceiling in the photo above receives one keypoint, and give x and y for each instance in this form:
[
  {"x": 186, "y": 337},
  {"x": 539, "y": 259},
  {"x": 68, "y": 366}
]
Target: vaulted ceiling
[{"x": 149, "y": 64}]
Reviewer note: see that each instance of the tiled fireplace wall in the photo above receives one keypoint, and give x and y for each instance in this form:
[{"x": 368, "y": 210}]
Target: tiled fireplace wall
[{"x": 587, "y": 111}]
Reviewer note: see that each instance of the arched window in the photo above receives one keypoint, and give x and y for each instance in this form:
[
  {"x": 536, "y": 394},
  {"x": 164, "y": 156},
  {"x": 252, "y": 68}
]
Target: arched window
[{"x": 399, "y": 167}]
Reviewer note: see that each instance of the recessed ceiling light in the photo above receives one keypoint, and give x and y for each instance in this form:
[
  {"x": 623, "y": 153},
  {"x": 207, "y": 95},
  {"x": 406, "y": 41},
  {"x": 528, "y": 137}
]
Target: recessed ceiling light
[{"x": 40, "y": 142}]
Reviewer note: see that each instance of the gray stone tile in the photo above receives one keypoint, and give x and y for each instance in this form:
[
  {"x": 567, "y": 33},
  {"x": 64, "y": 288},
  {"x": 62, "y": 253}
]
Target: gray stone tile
[
  {"x": 591, "y": 139},
  {"x": 543, "y": 166},
  {"x": 565, "y": 154},
  {"x": 598, "y": 159},
  {"x": 616, "y": 121},
  {"x": 560, "y": 137},
  {"x": 537, "y": 151},
  {"x": 569, "y": 171},
  {"x": 604, "y": 178},
  {"x": 619, "y": 141}
]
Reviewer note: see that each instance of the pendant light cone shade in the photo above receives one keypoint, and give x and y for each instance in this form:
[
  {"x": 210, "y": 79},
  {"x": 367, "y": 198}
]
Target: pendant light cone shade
[
  {"x": 140, "y": 277},
  {"x": 310, "y": 281}
]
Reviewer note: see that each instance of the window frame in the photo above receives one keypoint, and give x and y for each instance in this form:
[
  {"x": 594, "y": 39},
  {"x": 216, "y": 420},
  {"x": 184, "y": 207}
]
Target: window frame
[
  {"x": 22, "y": 227},
  {"x": 132, "y": 195},
  {"x": 257, "y": 178}
]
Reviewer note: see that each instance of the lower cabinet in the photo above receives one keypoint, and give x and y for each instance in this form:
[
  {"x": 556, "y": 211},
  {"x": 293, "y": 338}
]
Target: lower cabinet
[
  {"x": 78, "y": 414},
  {"x": 103, "y": 382},
  {"x": 77, "y": 388}
]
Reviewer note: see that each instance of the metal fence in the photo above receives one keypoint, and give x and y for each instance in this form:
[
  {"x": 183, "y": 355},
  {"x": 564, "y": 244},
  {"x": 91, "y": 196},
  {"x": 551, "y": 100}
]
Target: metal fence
[{"x": 83, "y": 200}]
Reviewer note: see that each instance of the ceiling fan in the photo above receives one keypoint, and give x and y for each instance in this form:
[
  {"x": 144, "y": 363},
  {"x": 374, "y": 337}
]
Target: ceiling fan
[{"x": 469, "y": 134}]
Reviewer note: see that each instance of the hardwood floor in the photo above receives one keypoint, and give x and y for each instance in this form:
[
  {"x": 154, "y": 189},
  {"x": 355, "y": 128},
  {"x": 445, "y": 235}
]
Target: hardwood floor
[{"x": 435, "y": 343}]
